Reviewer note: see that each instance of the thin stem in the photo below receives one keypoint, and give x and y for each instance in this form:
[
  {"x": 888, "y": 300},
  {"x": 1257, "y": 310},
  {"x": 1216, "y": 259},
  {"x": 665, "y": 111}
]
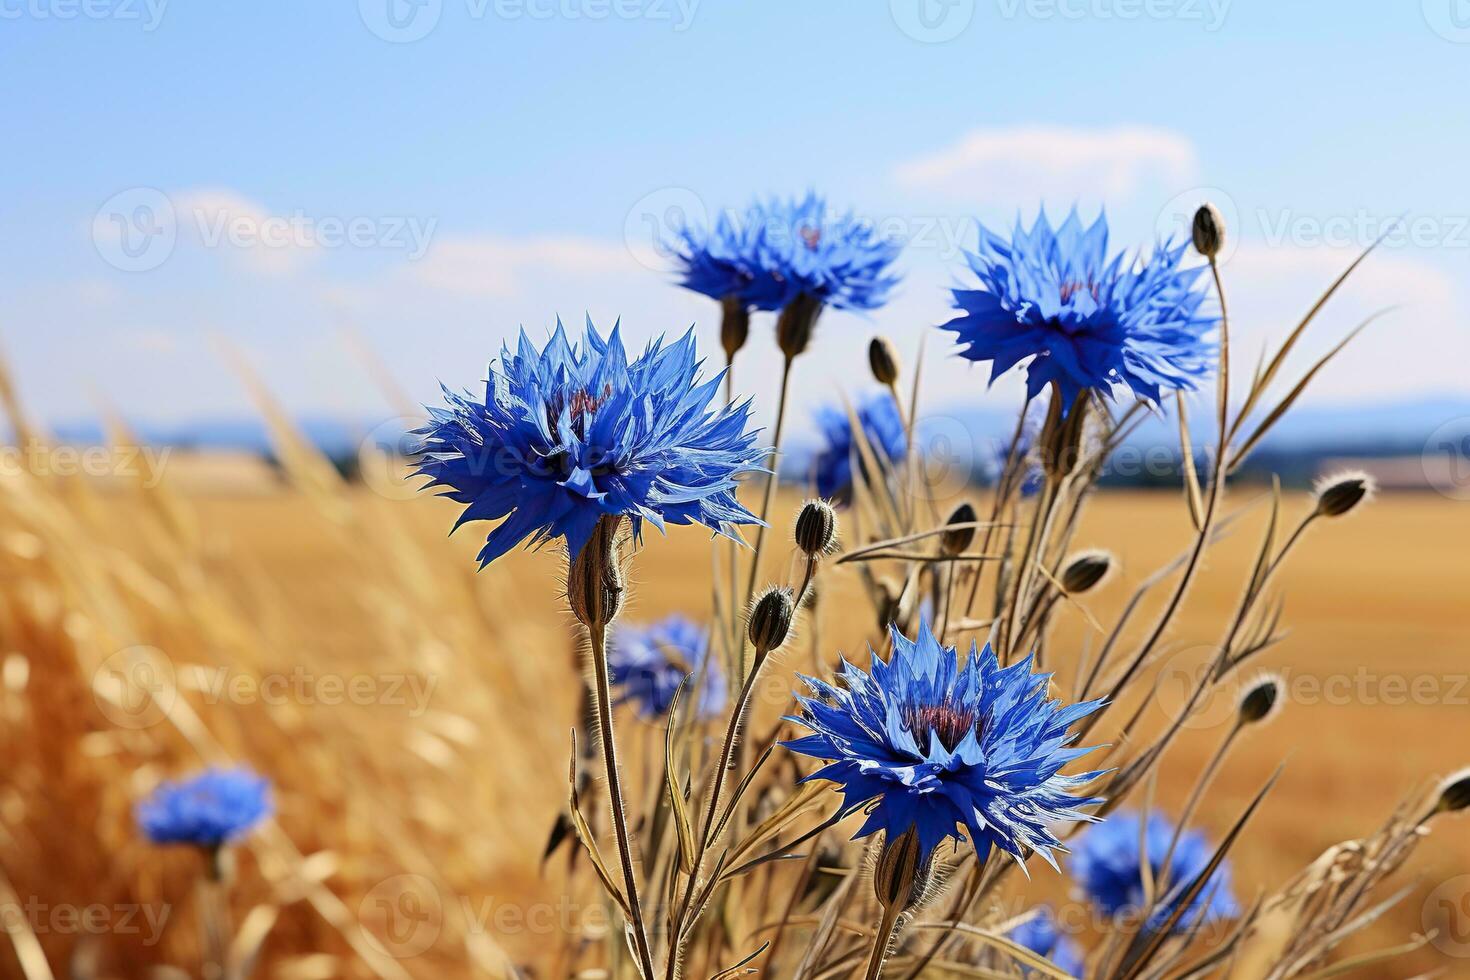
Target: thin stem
[
  {"x": 771, "y": 481},
  {"x": 603, "y": 704}
]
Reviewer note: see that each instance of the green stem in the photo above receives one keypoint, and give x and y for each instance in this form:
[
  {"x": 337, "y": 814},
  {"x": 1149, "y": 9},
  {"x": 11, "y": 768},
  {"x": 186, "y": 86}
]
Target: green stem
[{"x": 771, "y": 481}]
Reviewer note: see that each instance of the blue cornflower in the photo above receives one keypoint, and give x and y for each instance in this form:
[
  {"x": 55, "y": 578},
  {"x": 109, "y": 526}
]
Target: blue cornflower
[
  {"x": 648, "y": 663},
  {"x": 725, "y": 261},
  {"x": 836, "y": 260},
  {"x": 213, "y": 808},
  {"x": 1040, "y": 935},
  {"x": 1086, "y": 321},
  {"x": 882, "y": 427},
  {"x": 1107, "y": 865},
  {"x": 932, "y": 745},
  {"x": 567, "y": 435}
]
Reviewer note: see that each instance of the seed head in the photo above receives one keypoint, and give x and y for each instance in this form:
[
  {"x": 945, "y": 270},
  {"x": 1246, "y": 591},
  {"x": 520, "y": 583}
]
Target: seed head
[
  {"x": 770, "y": 619},
  {"x": 883, "y": 359},
  {"x": 1086, "y": 570},
  {"x": 1341, "y": 492},
  {"x": 1454, "y": 793},
  {"x": 954, "y": 541},
  {"x": 1209, "y": 230},
  {"x": 1261, "y": 700},
  {"x": 816, "y": 528}
]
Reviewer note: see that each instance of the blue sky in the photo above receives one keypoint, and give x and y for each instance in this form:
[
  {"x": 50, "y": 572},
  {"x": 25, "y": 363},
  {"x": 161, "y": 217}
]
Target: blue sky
[{"x": 431, "y": 194}]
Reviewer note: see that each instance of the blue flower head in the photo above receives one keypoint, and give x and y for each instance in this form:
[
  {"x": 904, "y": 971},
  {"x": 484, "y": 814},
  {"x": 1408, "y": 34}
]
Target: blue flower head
[
  {"x": 213, "y": 808},
  {"x": 1085, "y": 320},
  {"x": 569, "y": 434},
  {"x": 1040, "y": 935},
  {"x": 1107, "y": 865},
  {"x": 926, "y": 743},
  {"x": 725, "y": 261},
  {"x": 883, "y": 429},
  {"x": 837, "y": 260},
  {"x": 648, "y": 663}
]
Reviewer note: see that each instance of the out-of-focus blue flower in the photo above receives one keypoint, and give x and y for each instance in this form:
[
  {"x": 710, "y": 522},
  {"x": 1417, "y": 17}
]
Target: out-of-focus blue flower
[
  {"x": 648, "y": 663},
  {"x": 1040, "y": 935},
  {"x": 726, "y": 261},
  {"x": 837, "y": 260},
  {"x": 935, "y": 746},
  {"x": 883, "y": 428},
  {"x": 1108, "y": 863},
  {"x": 567, "y": 435},
  {"x": 213, "y": 808},
  {"x": 1085, "y": 320}
]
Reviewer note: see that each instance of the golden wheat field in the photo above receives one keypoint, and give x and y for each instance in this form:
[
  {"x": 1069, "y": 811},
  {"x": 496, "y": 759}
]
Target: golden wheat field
[{"x": 415, "y": 716}]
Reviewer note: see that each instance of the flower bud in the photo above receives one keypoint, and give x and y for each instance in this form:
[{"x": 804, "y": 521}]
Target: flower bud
[
  {"x": 770, "y": 619},
  {"x": 955, "y": 540},
  {"x": 1085, "y": 570},
  {"x": 816, "y": 528},
  {"x": 1454, "y": 793},
  {"x": 883, "y": 359},
  {"x": 735, "y": 326},
  {"x": 900, "y": 874},
  {"x": 1209, "y": 230},
  {"x": 1261, "y": 701},
  {"x": 795, "y": 323},
  {"x": 595, "y": 582},
  {"x": 1340, "y": 493}
]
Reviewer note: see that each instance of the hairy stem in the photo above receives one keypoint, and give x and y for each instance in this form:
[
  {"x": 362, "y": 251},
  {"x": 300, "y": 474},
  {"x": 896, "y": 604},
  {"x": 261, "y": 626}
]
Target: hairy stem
[{"x": 603, "y": 704}]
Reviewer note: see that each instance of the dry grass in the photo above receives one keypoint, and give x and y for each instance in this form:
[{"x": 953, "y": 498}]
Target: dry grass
[{"x": 328, "y": 581}]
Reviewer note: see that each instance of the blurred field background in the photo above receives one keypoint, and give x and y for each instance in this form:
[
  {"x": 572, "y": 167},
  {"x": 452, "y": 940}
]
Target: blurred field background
[{"x": 417, "y": 732}]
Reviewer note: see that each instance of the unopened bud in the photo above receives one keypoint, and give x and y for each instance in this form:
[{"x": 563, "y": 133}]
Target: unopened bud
[
  {"x": 1340, "y": 493},
  {"x": 955, "y": 540},
  {"x": 883, "y": 359},
  {"x": 770, "y": 619},
  {"x": 735, "y": 326},
  {"x": 595, "y": 577},
  {"x": 1085, "y": 570},
  {"x": 795, "y": 323},
  {"x": 1454, "y": 793},
  {"x": 1261, "y": 701},
  {"x": 816, "y": 528},
  {"x": 1209, "y": 230}
]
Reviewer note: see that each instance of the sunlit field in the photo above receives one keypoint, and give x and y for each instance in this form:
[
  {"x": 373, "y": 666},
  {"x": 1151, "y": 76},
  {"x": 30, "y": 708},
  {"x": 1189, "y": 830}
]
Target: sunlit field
[{"x": 415, "y": 716}]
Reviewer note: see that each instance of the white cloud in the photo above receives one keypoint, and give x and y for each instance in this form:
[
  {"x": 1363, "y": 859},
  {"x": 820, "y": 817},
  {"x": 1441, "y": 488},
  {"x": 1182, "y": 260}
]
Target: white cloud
[
  {"x": 498, "y": 266},
  {"x": 1053, "y": 163},
  {"x": 1419, "y": 346}
]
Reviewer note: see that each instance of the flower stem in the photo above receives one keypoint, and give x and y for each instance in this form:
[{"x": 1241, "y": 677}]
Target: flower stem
[
  {"x": 603, "y": 704},
  {"x": 887, "y": 927},
  {"x": 771, "y": 481}
]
